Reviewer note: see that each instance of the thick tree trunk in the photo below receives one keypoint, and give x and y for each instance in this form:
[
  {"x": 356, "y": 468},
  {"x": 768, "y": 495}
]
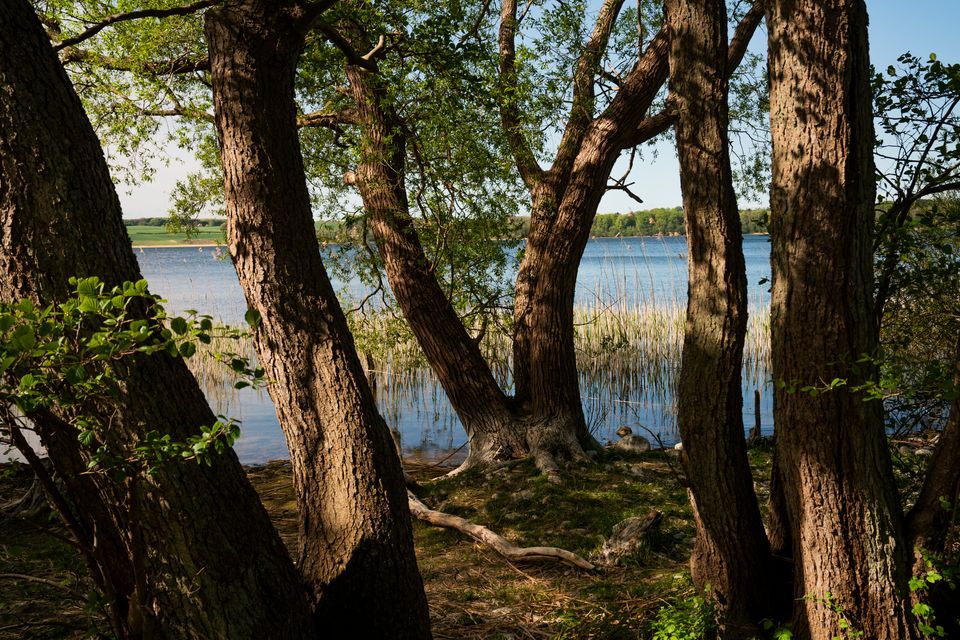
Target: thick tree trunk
[
  {"x": 928, "y": 522},
  {"x": 845, "y": 518},
  {"x": 731, "y": 554},
  {"x": 564, "y": 204},
  {"x": 198, "y": 557},
  {"x": 356, "y": 546}
]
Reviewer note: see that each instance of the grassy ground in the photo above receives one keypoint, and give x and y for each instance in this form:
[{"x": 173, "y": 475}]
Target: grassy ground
[
  {"x": 151, "y": 236},
  {"x": 473, "y": 592}
]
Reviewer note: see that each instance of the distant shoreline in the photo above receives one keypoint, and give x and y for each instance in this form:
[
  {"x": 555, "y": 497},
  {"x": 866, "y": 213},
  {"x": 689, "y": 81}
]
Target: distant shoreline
[{"x": 177, "y": 246}]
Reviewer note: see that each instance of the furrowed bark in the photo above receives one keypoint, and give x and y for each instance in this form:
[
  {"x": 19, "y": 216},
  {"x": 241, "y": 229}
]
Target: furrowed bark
[
  {"x": 731, "y": 554},
  {"x": 846, "y": 524},
  {"x": 208, "y": 562},
  {"x": 492, "y": 430},
  {"x": 355, "y": 542}
]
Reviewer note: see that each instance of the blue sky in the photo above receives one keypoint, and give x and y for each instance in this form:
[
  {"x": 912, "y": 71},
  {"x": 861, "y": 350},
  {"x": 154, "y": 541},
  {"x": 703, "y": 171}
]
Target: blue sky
[{"x": 896, "y": 26}]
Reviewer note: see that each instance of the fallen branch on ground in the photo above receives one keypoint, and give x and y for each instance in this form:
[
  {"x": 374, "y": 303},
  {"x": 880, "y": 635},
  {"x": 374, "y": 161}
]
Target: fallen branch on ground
[{"x": 499, "y": 544}]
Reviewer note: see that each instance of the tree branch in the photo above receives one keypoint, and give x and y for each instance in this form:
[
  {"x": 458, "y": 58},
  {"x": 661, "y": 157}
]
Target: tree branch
[
  {"x": 742, "y": 35},
  {"x": 658, "y": 123},
  {"x": 96, "y": 28},
  {"x": 176, "y": 66},
  {"x": 499, "y": 544},
  {"x": 508, "y": 97},
  {"x": 328, "y": 118},
  {"x": 366, "y": 62},
  {"x": 584, "y": 78}
]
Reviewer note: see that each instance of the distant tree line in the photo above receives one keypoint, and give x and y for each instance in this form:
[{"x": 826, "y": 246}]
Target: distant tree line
[
  {"x": 164, "y": 221},
  {"x": 666, "y": 221}
]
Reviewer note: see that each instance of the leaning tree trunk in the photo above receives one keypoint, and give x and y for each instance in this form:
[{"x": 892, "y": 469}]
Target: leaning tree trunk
[
  {"x": 731, "y": 553},
  {"x": 846, "y": 523},
  {"x": 356, "y": 546},
  {"x": 493, "y": 430},
  {"x": 199, "y": 558}
]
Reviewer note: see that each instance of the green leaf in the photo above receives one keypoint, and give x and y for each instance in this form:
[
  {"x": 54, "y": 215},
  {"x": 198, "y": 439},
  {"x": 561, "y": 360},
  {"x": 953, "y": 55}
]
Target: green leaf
[
  {"x": 88, "y": 287},
  {"x": 75, "y": 374},
  {"x": 187, "y": 349},
  {"x": 179, "y": 325},
  {"x": 23, "y": 338},
  {"x": 252, "y": 318}
]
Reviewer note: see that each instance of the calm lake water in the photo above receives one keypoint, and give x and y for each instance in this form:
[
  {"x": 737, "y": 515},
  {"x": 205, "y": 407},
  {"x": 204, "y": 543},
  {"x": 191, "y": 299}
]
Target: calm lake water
[{"x": 614, "y": 271}]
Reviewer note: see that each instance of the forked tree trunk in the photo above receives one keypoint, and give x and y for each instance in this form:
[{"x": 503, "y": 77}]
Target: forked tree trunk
[
  {"x": 731, "y": 553},
  {"x": 846, "y": 523},
  {"x": 356, "y": 546},
  {"x": 206, "y": 562},
  {"x": 544, "y": 419}
]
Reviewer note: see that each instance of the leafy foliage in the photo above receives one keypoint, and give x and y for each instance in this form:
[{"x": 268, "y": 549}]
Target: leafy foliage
[
  {"x": 68, "y": 357},
  {"x": 691, "y": 617},
  {"x": 918, "y": 221}
]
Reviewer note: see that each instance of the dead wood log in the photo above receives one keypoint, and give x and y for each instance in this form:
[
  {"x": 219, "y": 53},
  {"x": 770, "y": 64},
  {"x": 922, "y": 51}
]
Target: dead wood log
[{"x": 499, "y": 544}]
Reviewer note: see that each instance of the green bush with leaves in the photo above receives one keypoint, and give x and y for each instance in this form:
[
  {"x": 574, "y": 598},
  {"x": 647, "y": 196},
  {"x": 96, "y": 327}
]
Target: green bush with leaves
[
  {"x": 687, "y": 617},
  {"x": 68, "y": 357}
]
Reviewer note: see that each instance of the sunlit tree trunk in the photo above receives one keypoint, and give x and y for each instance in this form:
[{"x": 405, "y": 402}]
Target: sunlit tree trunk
[
  {"x": 731, "y": 554},
  {"x": 197, "y": 556},
  {"x": 356, "y": 546},
  {"x": 846, "y": 525}
]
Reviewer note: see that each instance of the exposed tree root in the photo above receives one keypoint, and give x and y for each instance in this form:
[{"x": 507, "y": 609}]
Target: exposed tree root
[{"x": 499, "y": 544}]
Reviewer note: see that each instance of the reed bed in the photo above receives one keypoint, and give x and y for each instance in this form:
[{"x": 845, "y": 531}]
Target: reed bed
[{"x": 629, "y": 361}]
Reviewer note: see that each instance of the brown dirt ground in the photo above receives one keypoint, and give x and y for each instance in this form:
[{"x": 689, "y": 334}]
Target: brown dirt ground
[{"x": 473, "y": 592}]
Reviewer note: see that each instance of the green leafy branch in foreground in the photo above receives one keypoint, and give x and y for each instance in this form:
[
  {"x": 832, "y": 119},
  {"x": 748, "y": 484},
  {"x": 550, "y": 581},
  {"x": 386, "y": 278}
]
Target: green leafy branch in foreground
[{"x": 68, "y": 357}]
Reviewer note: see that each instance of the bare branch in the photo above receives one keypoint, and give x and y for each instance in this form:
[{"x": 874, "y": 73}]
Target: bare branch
[
  {"x": 499, "y": 544},
  {"x": 618, "y": 185},
  {"x": 743, "y": 34},
  {"x": 652, "y": 126},
  {"x": 96, "y": 28},
  {"x": 328, "y": 119},
  {"x": 175, "y": 112}
]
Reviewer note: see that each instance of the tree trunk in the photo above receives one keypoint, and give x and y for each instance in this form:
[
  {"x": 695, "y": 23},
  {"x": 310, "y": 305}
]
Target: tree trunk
[
  {"x": 206, "y": 561},
  {"x": 494, "y": 432},
  {"x": 928, "y": 522},
  {"x": 356, "y": 546},
  {"x": 731, "y": 553},
  {"x": 846, "y": 523},
  {"x": 564, "y": 204}
]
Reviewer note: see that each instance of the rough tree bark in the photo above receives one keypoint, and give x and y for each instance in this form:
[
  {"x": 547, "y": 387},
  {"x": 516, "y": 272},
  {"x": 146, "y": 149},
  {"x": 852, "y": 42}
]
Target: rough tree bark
[
  {"x": 356, "y": 546},
  {"x": 731, "y": 553},
  {"x": 206, "y": 562},
  {"x": 844, "y": 513}
]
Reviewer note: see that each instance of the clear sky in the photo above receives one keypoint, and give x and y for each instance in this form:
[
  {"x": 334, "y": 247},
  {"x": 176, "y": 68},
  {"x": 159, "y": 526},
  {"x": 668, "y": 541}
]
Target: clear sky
[{"x": 896, "y": 26}]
